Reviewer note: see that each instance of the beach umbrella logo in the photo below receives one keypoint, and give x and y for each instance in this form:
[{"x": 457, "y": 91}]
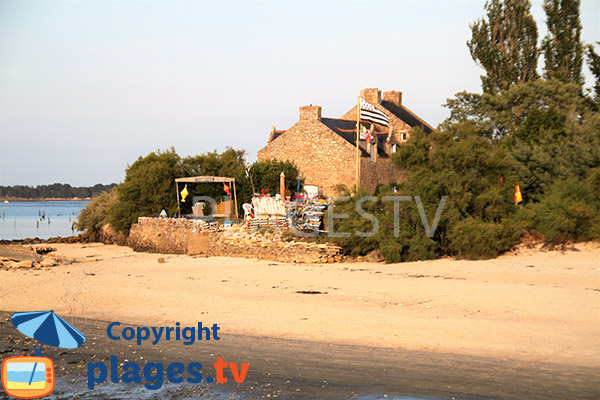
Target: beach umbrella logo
[{"x": 31, "y": 377}]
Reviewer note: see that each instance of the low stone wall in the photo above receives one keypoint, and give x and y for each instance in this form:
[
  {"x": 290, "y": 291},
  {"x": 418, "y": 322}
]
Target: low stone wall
[
  {"x": 194, "y": 237},
  {"x": 270, "y": 246},
  {"x": 179, "y": 236},
  {"x": 163, "y": 235}
]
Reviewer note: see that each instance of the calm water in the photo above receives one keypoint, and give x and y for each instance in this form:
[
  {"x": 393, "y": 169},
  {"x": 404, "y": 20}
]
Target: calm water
[{"x": 42, "y": 219}]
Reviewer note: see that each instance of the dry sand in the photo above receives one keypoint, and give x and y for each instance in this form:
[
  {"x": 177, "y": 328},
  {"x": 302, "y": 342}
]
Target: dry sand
[{"x": 531, "y": 305}]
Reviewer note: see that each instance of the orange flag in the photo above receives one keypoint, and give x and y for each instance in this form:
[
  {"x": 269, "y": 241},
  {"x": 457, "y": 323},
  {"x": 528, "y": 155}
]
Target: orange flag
[
  {"x": 226, "y": 189},
  {"x": 518, "y": 197}
]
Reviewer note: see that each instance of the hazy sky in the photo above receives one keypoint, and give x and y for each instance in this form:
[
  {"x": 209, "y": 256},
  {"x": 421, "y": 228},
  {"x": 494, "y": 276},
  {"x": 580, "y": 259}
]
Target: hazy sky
[{"x": 86, "y": 87}]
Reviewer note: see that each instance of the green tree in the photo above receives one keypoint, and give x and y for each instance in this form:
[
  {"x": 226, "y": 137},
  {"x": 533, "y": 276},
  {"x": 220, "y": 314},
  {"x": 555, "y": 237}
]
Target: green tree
[
  {"x": 55, "y": 190},
  {"x": 266, "y": 176},
  {"x": 405, "y": 242},
  {"x": 536, "y": 108},
  {"x": 95, "y": 215},
  {"x": 573, "y": 154},
  {"x": 147, "y": 189},
  {"x": 475, "y": 175},
  {"x": 594, "y": 63},
  {"x": 505, "y": 44},
  {"x": 562, "y": 47},
  {"x": 478, "y": 177},
  {"x": 229, "y": 163},
  {"x": 528, "y": 111},
  {"x": 570, "y": 210},
  {"x": 472, "y": 108}
]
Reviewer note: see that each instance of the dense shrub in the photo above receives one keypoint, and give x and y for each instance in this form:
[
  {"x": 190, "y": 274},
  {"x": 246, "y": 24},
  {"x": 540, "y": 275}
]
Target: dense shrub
[
  {"x": 476, "y": 177},
  {"x": 147, "y": 189},
  {"x": 230, "y": 163},
  {"x": 474, "y": 238},
  {"x": 95, "y": 214},
  {"x": 571, "y": 210},
  {"x": 550, "y": 159},
  {"x": 266, "y": 174},
  {"x": 404, "y": 240}
]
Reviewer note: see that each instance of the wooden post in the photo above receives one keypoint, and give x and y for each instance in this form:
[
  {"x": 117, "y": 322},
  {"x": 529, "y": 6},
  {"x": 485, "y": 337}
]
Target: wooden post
[
  {"x": 178, "y": 206},
  {"x": 282, "y": 185},
  {"x": 357, "y": 142},
  {"x": 235, "y": 200}
]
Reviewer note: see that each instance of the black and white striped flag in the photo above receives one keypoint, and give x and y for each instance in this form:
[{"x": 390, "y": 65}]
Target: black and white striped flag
[{"x": 370, "y": 113}]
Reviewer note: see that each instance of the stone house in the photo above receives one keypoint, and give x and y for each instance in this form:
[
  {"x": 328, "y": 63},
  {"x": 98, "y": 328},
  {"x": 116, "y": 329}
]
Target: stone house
[{"x": 324, "y": 149}]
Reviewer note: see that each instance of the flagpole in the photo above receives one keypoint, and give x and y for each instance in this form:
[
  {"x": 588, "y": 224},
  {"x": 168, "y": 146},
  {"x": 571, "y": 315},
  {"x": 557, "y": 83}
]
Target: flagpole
[
  {"x": 251, "y": 182},
  {"x": 357, "y": 141}
]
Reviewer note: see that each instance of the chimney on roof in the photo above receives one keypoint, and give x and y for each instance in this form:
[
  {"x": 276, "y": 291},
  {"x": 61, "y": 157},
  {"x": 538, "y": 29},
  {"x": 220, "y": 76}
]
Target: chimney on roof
[
  {"x": 310, "y": 113},
  {"x": 393, "y": 97},
  {"x": 272, "y": 134},
  {"x": 371, "y": 95}
]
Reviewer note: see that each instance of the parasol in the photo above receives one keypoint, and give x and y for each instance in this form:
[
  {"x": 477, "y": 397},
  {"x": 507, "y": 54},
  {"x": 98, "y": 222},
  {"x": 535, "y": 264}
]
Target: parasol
[{"x": 47, "y": 328}]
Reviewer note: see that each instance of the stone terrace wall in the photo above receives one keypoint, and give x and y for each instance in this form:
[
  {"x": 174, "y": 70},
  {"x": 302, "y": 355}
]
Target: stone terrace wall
[
  {"x": 175, "y": 236},
  {"x": 269, "y": 246},
  {"x": 162, "y": 235}
]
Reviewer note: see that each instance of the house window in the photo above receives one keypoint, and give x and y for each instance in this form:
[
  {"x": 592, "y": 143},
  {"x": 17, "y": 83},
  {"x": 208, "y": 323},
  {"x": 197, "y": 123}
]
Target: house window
[
  {"x": 394, "y": 148},
  {"x": 404, "y": 137}
]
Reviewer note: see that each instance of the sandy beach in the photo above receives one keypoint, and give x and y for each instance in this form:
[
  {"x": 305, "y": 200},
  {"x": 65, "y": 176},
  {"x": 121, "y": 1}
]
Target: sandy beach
[{"x": 525, "y": 313}]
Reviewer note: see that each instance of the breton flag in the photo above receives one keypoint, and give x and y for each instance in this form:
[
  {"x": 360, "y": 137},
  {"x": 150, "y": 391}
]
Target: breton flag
[{"x": 370, "y": 113}]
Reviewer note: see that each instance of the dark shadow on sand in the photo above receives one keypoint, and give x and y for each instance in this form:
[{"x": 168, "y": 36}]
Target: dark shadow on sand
[{"x": 293, "y": 369}]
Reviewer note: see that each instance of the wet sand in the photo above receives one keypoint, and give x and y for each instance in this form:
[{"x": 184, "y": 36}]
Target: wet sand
[
  {"x": 521, "y": 326},
  {"x": 309, "y": 370}
]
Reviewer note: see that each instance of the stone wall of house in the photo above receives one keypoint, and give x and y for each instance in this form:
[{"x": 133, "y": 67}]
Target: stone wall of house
[
  {"x": 323, "y": 157},
  {"x": 180, "y": 236},
  {"x": 375, "y": 173}
]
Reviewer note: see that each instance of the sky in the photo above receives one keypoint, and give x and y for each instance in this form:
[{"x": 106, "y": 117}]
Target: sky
[{"x": 87, "y": 87}]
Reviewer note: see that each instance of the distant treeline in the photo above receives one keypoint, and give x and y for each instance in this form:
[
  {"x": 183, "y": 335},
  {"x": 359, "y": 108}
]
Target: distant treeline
[{"x": 56, "y": 190}]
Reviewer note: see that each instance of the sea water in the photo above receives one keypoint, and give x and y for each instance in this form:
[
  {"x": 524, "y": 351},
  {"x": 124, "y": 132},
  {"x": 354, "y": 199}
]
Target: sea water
[{"x": 41, "y": 219}]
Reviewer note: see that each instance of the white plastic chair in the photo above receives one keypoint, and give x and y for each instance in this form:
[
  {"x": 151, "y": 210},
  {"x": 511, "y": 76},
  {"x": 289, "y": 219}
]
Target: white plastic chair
[{"x": 247, "y": 209}]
